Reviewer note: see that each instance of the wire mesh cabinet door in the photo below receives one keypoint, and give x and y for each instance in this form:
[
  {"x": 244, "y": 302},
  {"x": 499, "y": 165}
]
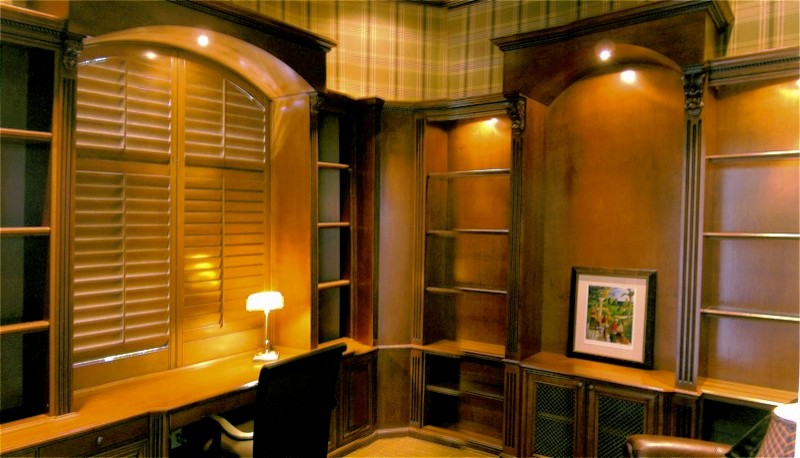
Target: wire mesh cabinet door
[
  {"x": 614, "y": 412},
  {"x": 553, "y": 417}
]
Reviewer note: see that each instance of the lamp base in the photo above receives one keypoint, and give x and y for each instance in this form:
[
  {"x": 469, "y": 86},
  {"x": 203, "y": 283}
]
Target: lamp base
[{"x": 271, "y": 355}]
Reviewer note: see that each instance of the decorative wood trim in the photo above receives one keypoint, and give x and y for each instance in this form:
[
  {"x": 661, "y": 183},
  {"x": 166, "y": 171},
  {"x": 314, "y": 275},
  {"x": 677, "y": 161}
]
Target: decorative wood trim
[
  {"x": 30, "y": 27},
  {"x": 772, "y": 64},
  {"x": 418, "y": 276},
  {"x": 719, "y": 11},
  {"x": 238, "y": 15},
  {"x": 688, "y": 351},
  {"x": 417, "y": 388},
  {"x": 516, "y": 107},
  {"x": 511, "y": 409}
]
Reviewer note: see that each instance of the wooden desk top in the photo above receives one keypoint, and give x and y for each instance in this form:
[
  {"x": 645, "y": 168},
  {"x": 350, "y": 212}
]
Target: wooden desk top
[{"x": 159, "y": 393}]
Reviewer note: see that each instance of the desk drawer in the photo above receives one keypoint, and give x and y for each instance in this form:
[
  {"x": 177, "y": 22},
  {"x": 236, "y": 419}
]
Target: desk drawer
[{"x": 104, "y": 441}]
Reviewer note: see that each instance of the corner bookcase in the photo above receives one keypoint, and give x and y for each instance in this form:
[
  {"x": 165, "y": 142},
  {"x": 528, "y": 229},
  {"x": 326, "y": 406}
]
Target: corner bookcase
[{"x": 466, "y": 161}]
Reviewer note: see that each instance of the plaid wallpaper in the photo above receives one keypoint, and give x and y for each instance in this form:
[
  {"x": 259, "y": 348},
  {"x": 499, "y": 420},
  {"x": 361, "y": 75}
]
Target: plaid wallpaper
[{"x": 402, "y": 51}]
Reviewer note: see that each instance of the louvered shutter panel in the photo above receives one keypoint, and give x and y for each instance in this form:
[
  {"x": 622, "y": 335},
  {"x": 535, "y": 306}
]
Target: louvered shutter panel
[
  {"x": 122, "y": 262},
  {"x": 225, "y": 232}
]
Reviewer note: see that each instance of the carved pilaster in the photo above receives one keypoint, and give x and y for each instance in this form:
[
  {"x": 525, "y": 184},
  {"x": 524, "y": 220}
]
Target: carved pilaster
[
  {"x": 688, "y": 354},
  {"x": 516, "y": 108},
  {"x": 71, "y": 53},
  {"x": 516, "y": 112},
  {"x": 694, "y": 80}
]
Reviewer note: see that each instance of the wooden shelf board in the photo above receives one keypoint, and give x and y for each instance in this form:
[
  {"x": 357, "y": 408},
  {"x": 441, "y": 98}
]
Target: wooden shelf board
[
  {"x": 743, "y": 314},
  {"x": 467, "y": 389},
  {"x": 466, "y": 347},
  {"x": 456, "y": 232},
  {"x": 469, "y": 173},
  {"x": 787, "y": 154},
  {"x": 333, "y": 284},
  {"x": 749, "y": 394},
  {"x": 333, "y": 224},
  {"x": 468, "y": 437},
  {"x": 7, "y": 133},
  {"x": 333, "y": 165},
  {"x": 464, "y": 289},
  {"x": 753, "y": 235},
  {"x": 28, "y": 326},
  {"x": 30, "y": 231}
]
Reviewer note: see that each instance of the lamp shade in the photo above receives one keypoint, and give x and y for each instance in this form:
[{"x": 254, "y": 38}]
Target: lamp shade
[{"x": 264, "y": 301}]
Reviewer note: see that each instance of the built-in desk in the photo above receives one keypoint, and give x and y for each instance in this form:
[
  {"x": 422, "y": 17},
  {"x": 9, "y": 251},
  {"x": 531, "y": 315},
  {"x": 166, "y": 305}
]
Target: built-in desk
[{"x": 138, "y": 413}]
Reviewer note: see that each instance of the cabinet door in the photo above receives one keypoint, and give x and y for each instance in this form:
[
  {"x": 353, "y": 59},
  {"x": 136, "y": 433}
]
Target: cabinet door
[
  {"x": 552, "y": 416},
  {"x": 615, "y": 412},
  {"x": 357, "y": 400}
]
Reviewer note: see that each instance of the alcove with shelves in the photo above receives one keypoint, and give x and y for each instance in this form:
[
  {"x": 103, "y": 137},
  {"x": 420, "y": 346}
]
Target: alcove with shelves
[
  {"x": 750, "y": 239},
  {"x": 30, "y": 46},
  {"x": 466, "y": 171},
  {"x": 334, "y": 228}
]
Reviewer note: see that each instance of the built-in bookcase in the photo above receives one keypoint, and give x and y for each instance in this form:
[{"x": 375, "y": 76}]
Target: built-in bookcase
[
  {"x": 344, "y": 214},
  {"x": 751, "y": 224},
  {"x": 30, "y": 48},
  {"x": 334, "y": 228},
  {"x": 467, "y": 173}
]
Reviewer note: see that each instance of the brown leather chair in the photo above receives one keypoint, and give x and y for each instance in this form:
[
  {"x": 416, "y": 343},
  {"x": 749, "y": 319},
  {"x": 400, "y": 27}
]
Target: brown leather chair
[{"x": 652, "y": 445}]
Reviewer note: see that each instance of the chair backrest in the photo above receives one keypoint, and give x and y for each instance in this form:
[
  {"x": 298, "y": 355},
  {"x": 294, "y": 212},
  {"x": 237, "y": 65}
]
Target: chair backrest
[{"x": 294, "y": 401}]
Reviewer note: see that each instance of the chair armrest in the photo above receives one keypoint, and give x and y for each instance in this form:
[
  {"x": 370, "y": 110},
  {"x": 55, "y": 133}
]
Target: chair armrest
[
  {"x": 230, "y": 430},
  {"x": 652, "y": 445}
]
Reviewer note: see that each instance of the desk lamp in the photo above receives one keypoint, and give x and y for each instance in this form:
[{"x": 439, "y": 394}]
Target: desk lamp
[{"x": 265, "y": 301}]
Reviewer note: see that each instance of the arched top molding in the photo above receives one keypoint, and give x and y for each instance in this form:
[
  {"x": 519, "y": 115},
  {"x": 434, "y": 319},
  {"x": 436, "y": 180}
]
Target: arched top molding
[
  {"x": 266, "y": 72},
  {"x": 542, "y": 64},
  {"x": 260, "y": 39}
]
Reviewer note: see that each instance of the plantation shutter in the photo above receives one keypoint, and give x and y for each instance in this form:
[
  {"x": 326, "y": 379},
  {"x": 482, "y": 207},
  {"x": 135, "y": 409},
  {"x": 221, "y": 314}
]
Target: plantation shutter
[
  {"x": 123, "y": 207},
  {"x": 225, "y": 213}
]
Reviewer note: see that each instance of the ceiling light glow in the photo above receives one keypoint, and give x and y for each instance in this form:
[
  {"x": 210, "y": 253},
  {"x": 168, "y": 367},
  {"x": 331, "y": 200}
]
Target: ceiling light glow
[
  {"x": 628, "y": 76},
  {"x": 605, "y": 54},
  {"x": 202, "y": 40}
]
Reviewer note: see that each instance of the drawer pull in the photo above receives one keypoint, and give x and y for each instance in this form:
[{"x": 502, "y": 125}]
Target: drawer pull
[{"x": 99, "y": 440}]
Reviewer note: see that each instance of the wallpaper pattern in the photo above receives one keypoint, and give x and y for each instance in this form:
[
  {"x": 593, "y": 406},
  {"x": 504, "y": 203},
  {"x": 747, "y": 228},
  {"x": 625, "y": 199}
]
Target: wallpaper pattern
[{"x": 411, "y": 51}]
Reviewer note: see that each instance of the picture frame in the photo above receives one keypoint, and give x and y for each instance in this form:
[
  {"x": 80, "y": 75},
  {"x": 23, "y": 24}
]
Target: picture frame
[{"x": 612, "y": 316}]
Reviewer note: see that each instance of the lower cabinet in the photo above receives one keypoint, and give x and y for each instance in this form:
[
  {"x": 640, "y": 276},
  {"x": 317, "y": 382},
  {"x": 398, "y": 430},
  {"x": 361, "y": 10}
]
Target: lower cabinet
[
  {"x": 570, "y": 416},
  {"x": 129, "y": 439},
  {"x": 354, "y": 416}
]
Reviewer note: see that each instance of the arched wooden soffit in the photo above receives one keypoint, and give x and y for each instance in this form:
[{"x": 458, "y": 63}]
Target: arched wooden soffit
[
  {"x": 541, "y": 64},
  {"x": 266, "y": 72}
]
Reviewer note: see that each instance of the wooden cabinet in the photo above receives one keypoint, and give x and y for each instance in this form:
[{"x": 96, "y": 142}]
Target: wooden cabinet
[
  {"x": 355, "y": 413},
  {"x": 34, "y": 124},
  {"x": 573, "y": 416}
]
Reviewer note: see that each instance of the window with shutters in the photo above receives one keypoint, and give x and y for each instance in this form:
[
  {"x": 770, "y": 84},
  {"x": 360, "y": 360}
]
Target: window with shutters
[{"x": 171, "y": 213}]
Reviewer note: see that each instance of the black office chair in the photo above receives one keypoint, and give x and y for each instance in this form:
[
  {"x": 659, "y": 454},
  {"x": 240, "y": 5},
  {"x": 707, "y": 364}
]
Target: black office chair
[{"x": 292, "y": 417}]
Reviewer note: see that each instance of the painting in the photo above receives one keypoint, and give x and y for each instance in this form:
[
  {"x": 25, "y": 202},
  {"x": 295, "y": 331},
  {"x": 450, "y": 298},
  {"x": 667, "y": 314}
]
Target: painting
[{"x": 612, "y": 315}]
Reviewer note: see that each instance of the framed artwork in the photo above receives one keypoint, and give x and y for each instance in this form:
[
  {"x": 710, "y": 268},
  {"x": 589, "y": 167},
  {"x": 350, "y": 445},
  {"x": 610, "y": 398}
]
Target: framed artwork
[{"x": 612, "y": 316}]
